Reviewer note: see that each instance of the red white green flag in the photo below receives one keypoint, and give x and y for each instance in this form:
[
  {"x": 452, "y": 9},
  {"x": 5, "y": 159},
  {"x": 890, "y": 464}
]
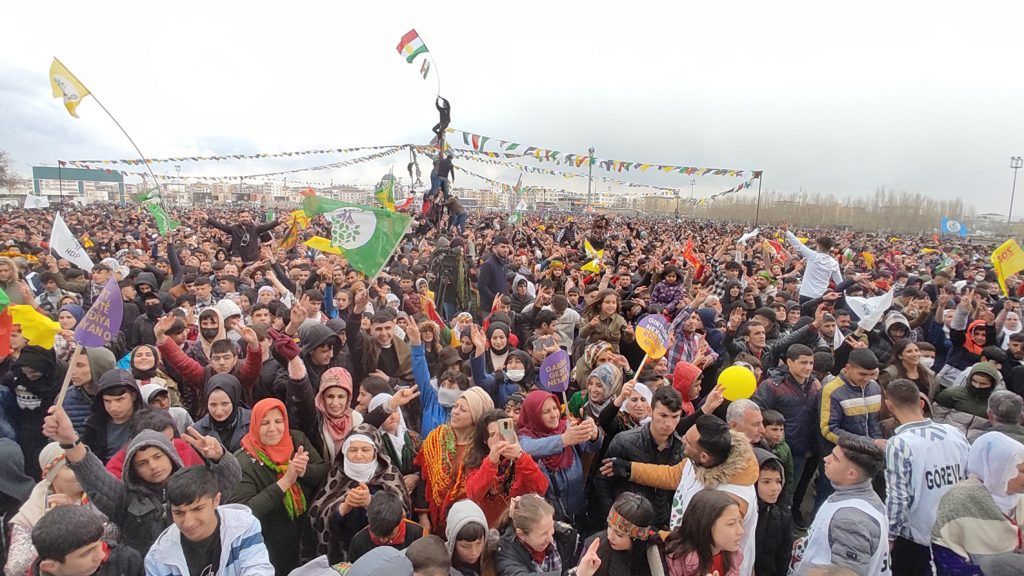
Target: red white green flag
[{"x": 411, "y": 46}]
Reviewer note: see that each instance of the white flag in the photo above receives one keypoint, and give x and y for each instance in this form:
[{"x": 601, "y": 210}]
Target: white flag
[
  {"x": 743, "y": 239},
  {"x": 870, "y": 310},
  {"x": 837, "y": 338},
  {"x": 64, "y": 243},
  {"x": 36, "y": 201}
]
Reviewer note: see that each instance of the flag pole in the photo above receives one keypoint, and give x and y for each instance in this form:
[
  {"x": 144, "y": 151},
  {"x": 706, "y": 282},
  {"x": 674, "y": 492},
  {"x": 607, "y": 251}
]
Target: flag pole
[
  {"x": 757, "y": 213},
  {"x": 60, "y": 179},
  {"x": 134, "y": 145}
]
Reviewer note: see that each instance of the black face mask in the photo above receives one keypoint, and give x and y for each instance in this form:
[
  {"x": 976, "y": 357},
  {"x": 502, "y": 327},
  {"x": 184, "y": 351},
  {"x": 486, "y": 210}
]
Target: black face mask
[
  {"x": 153, "y": 310},
  {"x": 209, "y": 333}
]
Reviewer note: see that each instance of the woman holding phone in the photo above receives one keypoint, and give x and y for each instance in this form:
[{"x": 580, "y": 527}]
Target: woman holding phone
[{"x": 501, "y": 470}]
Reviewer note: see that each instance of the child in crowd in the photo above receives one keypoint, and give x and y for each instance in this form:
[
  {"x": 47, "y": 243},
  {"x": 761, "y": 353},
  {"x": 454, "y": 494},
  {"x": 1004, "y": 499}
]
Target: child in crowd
[
  {"x": 775, "y": 437},
  {"x": 774, "y": 534},
  {"x": 386, "y": 526}
]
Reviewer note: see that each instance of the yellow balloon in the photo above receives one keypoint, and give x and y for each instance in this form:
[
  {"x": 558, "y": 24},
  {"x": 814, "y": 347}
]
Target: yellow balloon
[{"x": 737, "y": 383}]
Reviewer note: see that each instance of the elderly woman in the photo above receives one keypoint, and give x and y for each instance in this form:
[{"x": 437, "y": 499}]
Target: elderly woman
[
  {"x": 280, "y": 473},
  {"x": 58, "y": 487},
  {"x": 979, "y": 519},
  {"x": 361, "y": 470}
]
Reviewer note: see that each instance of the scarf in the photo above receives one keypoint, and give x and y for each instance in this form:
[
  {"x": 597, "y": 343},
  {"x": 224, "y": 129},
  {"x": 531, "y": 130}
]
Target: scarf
[
  {"x": 531, "y": 426},
  {"x": 145, "y": 374},
  {"x": 398, "y": 538},
  {"x": 334, "y": 429},
  {"x": 275, "y": 458},
  {"x": 993, "y": 459},
  {"x": 969, "y": 344},
  {"x": 445, "y": 477},
  {"x": 361, "y": 472},
  {"x": 1007, "y": 332},
  {"x": 398, "y": 438}
]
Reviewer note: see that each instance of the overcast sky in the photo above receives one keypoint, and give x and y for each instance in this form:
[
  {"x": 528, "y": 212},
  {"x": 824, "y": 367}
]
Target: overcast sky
[{"x": 822, "y": 96}]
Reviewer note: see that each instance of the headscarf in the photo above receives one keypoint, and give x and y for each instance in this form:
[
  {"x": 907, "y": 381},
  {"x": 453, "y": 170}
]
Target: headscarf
[
  {"x": 75, "y": 311},
  {"x": 1007, "y": 332},
  {"x": 498, "y": 356},
  {"x": 479, "y": 402},
  {"x": 361, "y": 473},
  {"x": 969, "y": 344},
  {"x": 609, "y": 376},
  {"x": 140, "y": 374},
  {"x": 644, "y": 391},
  {"x": 230, "y": 385},
  {"x": 993, "y": 459},
  {"x": 532, "y": 426},
  {"x": 398, "y": 438},
  {"x": 592, "y": 351},
  {"x": 275, "y": 458},
  {"x": 51, "y": 461},
  {"x": 335, "y": 429},
  {"x": 338, "y": 485}
]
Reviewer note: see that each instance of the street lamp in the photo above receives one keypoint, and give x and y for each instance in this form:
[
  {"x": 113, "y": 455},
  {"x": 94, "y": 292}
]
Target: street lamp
[{"x": 1016, "y": 162}]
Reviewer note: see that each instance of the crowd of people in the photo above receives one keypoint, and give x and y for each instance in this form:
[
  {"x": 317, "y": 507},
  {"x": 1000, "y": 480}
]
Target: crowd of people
[{"x": 268, "y": 411}]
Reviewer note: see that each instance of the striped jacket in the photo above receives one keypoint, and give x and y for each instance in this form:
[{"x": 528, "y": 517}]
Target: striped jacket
[
  {"x": 847, "y": 410},
  {"x": 242, "y": 551}
]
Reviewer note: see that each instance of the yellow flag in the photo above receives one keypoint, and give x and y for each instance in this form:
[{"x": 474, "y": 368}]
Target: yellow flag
[
  {"x": 1007, "y": 260},
  {"x": 35, "y": 327},
  {"x": 591, "y": 253},
  {"x": 592, "y": 266},
  {"x": 87, "y": 242},
  {"x": 869, "y": 259},
  {"x": 65, "y": 85},
  {"x": 301, "y": 219},
  {"x": 322, "y": 244}
]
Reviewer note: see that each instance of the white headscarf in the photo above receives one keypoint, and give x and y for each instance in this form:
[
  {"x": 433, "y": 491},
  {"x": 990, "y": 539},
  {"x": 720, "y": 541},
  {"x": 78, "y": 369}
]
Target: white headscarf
[
  {"x": 359, "y": 472},
  {"x": 993, "y": 459},
  {"x": 1005, "y": 336},
  {"x": 644, "y": 391},
  {"x": 397, "y": 439}
]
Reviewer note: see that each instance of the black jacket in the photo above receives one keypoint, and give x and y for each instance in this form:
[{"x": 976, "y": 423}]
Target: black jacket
[
  {"x": 95, "y": 436},
  {"x": 245, "y": 241},
  {"x": 636, "y": 445},
  {"x": 773, "y": 537},
  {"x": 513, "y": 559},
  {"x": 121, "y": 561}
]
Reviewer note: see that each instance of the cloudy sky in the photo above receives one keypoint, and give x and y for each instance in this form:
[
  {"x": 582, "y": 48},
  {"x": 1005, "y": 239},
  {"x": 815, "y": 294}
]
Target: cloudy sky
[{"x": 823, "y": 96}]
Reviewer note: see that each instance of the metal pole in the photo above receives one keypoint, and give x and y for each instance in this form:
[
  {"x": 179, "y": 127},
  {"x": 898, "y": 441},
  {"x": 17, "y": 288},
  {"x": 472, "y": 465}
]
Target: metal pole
[
  {"x": 590, "y": 175},
  {"x": 757, "y": 213},
  {"x": 60, "y": 179},
  {"x": 1016, "y": 162}
]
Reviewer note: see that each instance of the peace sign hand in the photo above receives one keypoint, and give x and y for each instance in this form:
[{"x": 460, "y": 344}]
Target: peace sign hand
[{"x": 208, "y": 446}]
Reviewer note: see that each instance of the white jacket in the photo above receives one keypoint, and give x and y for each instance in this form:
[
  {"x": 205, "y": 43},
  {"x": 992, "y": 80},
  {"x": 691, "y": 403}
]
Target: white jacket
[{"x": 241, "y": 540}]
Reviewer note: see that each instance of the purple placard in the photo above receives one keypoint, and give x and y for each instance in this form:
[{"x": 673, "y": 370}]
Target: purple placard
[
  {"x": 554, "y": 372},
  {"x": 103, "y": 319}
]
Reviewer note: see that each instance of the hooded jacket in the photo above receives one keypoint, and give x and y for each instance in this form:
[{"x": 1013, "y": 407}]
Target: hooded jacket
[
  {"x": 245, "y": 240},
  {"x": 963, "y": 407},
  {"x": 137, "y": 507},
  {"x": 96, "y": 426},
  {"x": 513, "y": 559},
  {"x": 78, "y": 400},
  {"x": 773, "y": 539},
  {"x": 797, "y": 402},
  {"x": 242, "y": 551},
  {"x": 33, "y": 398},
  {"x": 311, "y": 336},
  {"x": 197, "y": 374},
  {"x": 230, "y": 432},
  {"x": 461, "y": 514}
]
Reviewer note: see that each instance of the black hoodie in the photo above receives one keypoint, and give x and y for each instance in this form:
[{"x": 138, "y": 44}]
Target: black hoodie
[
  {"x": 773, "y": 537},
  {"x": 34, "y": 397},
  {"x": 99, "y": 430}
]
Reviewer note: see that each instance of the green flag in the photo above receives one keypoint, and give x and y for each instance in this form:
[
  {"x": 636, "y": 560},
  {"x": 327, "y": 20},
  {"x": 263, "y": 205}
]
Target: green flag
[
  {"x": 314, "y": 205},
  {"x": 147, "y": 195},
  {"x": 367, "y": 236},
  {"x": 164, "y": 223},
  {"x": 4, "y": 300},
  {"x": 270, "y": 215},
  {"x": 385, "y": 193}
]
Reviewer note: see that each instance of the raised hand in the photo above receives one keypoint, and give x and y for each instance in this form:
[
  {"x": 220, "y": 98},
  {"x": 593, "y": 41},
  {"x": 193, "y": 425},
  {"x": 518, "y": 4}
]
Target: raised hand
[
  {"x": 207, "y": 446},
  {"x": 161, "y": 327},
  {"x": 299, "y": 462},
  {"x": 403, "y": 396},
  {"x": 496, "y": 451},
  {"x": 713, "y": 400},
  {"x": 57, "y": 426},
  {"x": 590, "y": 562},
  {"x": 249, "y": 335},
  {"x": 413, "y": 332}
]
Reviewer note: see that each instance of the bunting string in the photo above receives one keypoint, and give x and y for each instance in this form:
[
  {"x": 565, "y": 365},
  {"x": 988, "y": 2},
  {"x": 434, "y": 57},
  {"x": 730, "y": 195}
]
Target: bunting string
[
  {"x": 222, "y": 157},
  {"x": 478, "y": 142}
]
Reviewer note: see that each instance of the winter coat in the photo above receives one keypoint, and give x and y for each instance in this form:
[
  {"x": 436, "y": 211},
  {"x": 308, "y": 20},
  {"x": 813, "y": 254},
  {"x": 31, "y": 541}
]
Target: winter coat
[
  {"x": 513, "y": 559},
  {"x": 774, "y": 536},
  {"x": 242, "y": 552},
  {"x": 775, "y": 351},
  {"x": 120, "y": 561},
  {"x": 797, "y": 402},
  {"x": 612, "y": 330},
  {"x": 138, "y": 508},
  {"x": 668, "y": 295},
  {"x": 564, "y": 486},
  {"x": 78, "y": 401},
  {"x": 95, "y": 435},
  {"x": 259, "y": 491},
  {"x": 205, "y": 427},
  {"x": 637, "y": 445},
  {"x": 492, "y": 279}
]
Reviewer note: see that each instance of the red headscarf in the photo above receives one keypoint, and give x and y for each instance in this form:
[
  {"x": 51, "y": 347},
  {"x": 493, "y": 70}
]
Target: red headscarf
[
  {"x": 969, "y": 343},
  {"x": 532, "y": 425},
  {"x": 336, "y": 428},
  {"x": 279, "y": 454}
]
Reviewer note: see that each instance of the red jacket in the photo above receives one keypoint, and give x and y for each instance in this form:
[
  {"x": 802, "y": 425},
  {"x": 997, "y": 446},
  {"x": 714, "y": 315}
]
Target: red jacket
[
  {"x": 482, "y": 488},
  {"x": 188, "y": 456},
  {"x": 195, "y": 375}
]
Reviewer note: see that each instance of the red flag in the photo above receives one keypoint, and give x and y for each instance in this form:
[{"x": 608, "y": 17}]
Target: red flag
[
  {"x": 6, "y": 329},
  {"x": 406, "y": 204},
  {"x": 780, "y": 252},
  {"x": 309, "y": 192},
  {"x": 689, "y": 256},
  {"x": 433, "y": 315}
]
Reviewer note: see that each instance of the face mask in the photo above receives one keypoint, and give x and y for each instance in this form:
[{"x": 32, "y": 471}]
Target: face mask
[
  {"x": 154, "y": 310},
  {"x": 447, "y": 396},
  {"x": 209, "y": 333},
  {"x": 515, "y": 375},
  {"x": 927, "y": 362},
  {"x": 360, "y": 472}
]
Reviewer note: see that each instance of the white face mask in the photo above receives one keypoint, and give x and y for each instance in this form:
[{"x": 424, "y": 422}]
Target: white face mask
[
  {"x": 447, "y": 396},
  {"x": 360, "y": 472},
  {"x": 515, "y": 375},
  {"x": 927, "y": 362}
]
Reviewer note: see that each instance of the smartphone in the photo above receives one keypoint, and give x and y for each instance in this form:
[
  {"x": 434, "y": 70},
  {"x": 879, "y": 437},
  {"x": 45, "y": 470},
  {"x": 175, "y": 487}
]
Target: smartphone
[{"x": 507, "y": 430}]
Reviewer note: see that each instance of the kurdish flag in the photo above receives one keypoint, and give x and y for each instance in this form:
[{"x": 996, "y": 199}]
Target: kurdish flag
[
  {"x": 1007, "y": 260},
  {"x": 367, "y": 236},
  {"x": 385, "y": 192},
  {"x": 411, "y": 46}
]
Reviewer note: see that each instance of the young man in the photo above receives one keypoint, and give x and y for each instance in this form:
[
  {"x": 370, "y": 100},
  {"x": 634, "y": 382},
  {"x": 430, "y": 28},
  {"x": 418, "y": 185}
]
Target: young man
[
  {"x": 137, "y": 503},
  {"x": 820, "y": 268},
  {"x": 116, "y": 401},
  {"x": 387, "y": 526},
  {"x": 655, "y": 443},
  {"x": 69, "y": 541},
  {"x": 922, "y": 462},
  {"x": 86, "y": 371},
  {"x": 850, "y": 529},
  {"x": 206, "y": 537}
]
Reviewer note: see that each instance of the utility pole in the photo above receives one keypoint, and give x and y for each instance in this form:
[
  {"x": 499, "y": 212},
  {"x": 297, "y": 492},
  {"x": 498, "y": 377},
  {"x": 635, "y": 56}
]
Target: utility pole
[
  {"x": 177, "y": 168},
  {"x": 757, "y": 212},
  {"x": 1016, "y": 162},
  {"x": 590, "y": 176}
]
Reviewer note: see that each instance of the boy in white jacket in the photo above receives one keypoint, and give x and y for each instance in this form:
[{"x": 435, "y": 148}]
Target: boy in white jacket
[{"x": 207, "y": 538}]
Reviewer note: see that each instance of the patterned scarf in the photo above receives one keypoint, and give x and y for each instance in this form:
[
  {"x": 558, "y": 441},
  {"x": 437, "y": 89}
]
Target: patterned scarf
[
  {"x": 294, "y": 498},
  {"x": 445, "y": 477}
]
